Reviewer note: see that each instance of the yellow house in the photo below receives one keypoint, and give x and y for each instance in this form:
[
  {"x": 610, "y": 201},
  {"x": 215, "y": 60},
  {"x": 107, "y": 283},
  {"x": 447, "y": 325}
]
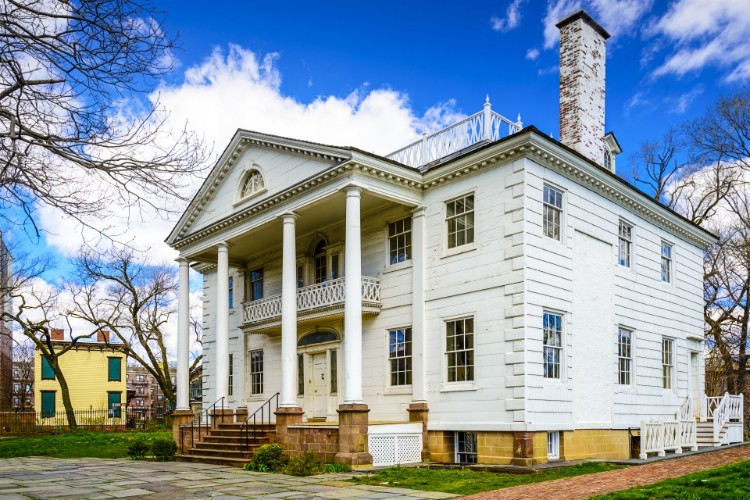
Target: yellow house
[{"x": 95, "y": 374}]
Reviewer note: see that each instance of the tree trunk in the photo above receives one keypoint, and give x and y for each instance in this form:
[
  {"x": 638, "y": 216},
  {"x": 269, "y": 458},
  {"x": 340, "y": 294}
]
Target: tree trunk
[{"x": 67, "y": 403}]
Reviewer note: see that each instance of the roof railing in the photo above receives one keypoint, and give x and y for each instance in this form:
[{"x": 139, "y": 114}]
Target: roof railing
[{"x": 486, "y": 125}]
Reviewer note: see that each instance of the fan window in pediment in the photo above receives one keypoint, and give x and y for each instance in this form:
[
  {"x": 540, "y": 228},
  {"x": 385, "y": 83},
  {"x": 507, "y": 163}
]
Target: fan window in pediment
[{"x": 252, "y": 184}]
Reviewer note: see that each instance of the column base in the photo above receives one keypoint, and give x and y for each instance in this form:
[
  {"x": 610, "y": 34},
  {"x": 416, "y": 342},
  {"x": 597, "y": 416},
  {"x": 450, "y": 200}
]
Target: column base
[
  {"x": 180, "y": 418},
  {"x": 418, "y": 412},
  {"x": 286, "y": 416},
  {"x": 523, "y": 449},
  {"x": 353, "y": 430}
]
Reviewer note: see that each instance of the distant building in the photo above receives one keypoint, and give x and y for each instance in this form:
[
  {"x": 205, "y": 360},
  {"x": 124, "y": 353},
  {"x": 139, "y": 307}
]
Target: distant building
[
  {"x": 94, "y": 371},
  {"x": 23, "y": 385},
  {"x": 144, "y": 392},
  {"x": 6, "y": 338}
]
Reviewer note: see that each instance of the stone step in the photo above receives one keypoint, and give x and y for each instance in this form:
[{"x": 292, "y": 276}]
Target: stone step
[
  {"x": 206, "y": 459},
  {"x": 233, "y": 446},
  {"x": 235, "y": 439},
  {"x": 213, "y": 452},
  {"x": 239, "y": 433}
]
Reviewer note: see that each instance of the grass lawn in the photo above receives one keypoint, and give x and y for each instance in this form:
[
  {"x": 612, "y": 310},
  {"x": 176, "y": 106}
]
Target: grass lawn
[
  {"x": 467, "y": 482},
  {"x": 75, "y": 444},
  {"x": 731, "y": 481}
]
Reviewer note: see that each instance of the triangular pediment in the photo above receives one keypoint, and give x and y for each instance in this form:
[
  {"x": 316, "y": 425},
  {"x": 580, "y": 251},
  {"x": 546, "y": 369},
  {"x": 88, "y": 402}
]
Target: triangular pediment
[{"x": 281, "y": 162}]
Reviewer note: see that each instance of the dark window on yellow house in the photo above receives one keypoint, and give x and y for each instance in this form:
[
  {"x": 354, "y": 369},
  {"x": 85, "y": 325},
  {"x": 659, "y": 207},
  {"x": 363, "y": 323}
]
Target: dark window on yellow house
[
  {"x": 47, "y": 372},
  {"x": 48, "y": 404},
  {"x": 113, "y": 404},
  {"x": 115, "y": 370}
]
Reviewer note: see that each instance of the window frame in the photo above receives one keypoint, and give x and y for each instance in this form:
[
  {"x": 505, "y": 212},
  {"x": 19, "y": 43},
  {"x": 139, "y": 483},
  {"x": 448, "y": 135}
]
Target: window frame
[
  {"x": 668, "y": 367},
  {"x": 553, "y": 445},
  {"x": 46, "y": 413},
  {"x": 406, "y": 234},
  {"x": 669, "y": 277},
  {"x": 230, "y": 377},
  {"x": 561, "y": 211},
  {"x": 256, "y": 376},
  {"x": 230, "y": 292},
  {"x": 628, "y": 357},
  {"x": 243, "y": 196},
  {"x": 628, "y": 241},
  {"x": 448, "y": 218},
  {"x": 253, "y": 279},
  {"x": 457, "y": 441},
  {"x": 109, "y": 369},
  {"x": 333, "y": 369},
  {"x": 407, "y": 359},
  {"x": 300, "y": 374},
  {"x": 560, "y": 349},
  {"x": 446, "y": 353}
]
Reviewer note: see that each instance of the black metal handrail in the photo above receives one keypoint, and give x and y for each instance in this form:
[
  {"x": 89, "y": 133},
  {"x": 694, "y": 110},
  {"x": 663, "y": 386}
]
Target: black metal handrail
[
  {"x": 209, "y": 412},
  {"x": 262, "y": 411}
]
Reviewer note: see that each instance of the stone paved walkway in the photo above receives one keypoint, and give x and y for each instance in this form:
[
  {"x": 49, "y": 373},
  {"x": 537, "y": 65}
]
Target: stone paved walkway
[
  {"x": 622, "y": 479},
  {"x": 39, "y": 477}
]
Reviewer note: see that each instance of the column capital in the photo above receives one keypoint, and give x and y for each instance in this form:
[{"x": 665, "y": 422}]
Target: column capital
[
  {"x": 182, "y": 260},
  {"x": 289, "y": 217},
  {"x": 418, "y": 211},
  {"x": 222, "y": 245},
  {"x": 354, "y": 191}
]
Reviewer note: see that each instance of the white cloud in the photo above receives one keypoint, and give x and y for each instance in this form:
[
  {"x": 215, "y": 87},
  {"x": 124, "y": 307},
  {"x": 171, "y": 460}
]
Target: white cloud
[
  {"x": 512, "y": 17},
  {"x": 705, "y": 33},
  {"x": 618, "y": 17},
  {"x": 532, "y": 54},
  {"x": 685, "y": 100},
  {"x": 235, "y": 88}
]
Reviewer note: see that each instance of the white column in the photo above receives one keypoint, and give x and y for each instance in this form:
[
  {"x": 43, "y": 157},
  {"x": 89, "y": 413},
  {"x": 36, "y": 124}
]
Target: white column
[
  {"x": 353, "y": 299},
  {"x": 183, "y": 337},
  {"x": 417, "y": 306},
  {"x": 289, "y": 314},
  {"x": 222, "y": 322}
]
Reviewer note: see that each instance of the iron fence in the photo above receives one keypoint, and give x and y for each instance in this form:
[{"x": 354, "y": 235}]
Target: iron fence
[{"x": 114, "y": 419}]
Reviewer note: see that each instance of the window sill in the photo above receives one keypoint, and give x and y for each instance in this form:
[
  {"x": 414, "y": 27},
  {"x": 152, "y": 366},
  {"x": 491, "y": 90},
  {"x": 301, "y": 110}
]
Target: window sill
[
  {"x": 459, "y": 250},
  {"x": 398, "y": 389},
  {"x": 406, "y": 264},
  {"x": 256, "y": 397},
  {"x": 249, "y": 197},
  {"x": 458, "y": 387}
]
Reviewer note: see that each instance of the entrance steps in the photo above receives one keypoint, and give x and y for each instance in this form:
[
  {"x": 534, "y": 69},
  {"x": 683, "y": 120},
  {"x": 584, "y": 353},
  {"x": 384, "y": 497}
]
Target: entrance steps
[{"x": 228, "y": 444}]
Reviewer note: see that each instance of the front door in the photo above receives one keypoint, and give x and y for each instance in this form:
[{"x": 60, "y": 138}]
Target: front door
[
  {"x": 695, "y": 377},
  {"x": 320, "y": 385}
]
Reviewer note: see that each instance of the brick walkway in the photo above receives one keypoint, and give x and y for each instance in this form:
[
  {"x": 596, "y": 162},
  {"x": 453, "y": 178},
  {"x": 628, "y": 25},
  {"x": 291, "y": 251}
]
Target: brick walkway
[{"x": 622, "y": 479}]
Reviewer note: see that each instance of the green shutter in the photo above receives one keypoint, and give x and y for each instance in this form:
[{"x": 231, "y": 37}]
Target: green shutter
[
  {"x": 48, "y": 404},
  {"x": 47, "y": 372},
  {"x": 115, "y": 370},
  {"x": 113, "y": 403}
]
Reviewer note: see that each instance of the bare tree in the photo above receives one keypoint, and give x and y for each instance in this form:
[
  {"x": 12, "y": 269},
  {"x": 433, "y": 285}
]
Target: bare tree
[
  {"x": 71, "y": 72},
  {"x": 23, "y": 372},
  {"x": 656, "y": 166},
  {"x": 136, "y": 301}
]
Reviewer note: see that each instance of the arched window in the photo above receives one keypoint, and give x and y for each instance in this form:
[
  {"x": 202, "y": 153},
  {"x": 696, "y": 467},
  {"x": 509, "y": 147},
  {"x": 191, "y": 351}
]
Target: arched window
[
  {"x": 317, "y": 338},
  {"x": 252, "y": 183},
  {"x": 321, "y": 260},
  {"x": 607, "y": 160}
]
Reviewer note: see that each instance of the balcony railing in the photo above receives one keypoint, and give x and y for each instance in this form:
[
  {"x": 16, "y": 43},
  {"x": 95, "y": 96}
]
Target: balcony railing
[
  {"x": 312, "y": 299},
  {"x": 483, "y": 126}
]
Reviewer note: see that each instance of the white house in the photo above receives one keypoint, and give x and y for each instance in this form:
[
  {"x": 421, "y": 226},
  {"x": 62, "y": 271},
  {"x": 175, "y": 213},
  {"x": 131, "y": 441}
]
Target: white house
[{"x": 506, "y": 291}]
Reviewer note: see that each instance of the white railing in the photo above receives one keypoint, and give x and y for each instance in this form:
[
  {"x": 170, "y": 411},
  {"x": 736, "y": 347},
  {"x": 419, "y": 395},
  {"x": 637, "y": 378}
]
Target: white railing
[
  {"x": 708, "y": 406},
  {"x": 311, "y": 298},
  {"x": 686, "y": 410},
  {"x": 660, "y": 436},
  {"x": 726, "y": 414},
  {"x": 483, "y": 126}
]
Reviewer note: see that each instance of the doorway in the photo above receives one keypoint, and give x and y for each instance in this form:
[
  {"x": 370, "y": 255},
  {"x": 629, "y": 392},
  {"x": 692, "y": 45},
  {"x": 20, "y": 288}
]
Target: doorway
[
  {"x": 319, "y": 384},
  {"x": 695, "y": 379}
]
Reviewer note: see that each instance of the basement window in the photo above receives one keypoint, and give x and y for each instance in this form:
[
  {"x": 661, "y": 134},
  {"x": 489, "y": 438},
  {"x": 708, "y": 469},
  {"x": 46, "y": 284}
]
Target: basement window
[
  {"x": 553, "y": 445},
  {"x": 466, "y": 447}
]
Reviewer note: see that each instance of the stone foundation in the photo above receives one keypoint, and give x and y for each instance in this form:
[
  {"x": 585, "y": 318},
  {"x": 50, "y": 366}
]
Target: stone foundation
[
  {"x": 353, "y": 430},
  {"x": 323, "y": 440},
  {"x": 530, "y": 448},
  {"x": 180, "y": 418},
  {"x": 418, "y": 412},
  {"x": 285, "y": 417}
]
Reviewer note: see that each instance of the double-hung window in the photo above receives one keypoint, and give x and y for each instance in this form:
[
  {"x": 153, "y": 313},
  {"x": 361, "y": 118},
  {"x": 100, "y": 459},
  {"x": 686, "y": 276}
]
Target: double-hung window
[
  {"x": 624, "y": 356},
  {"x": 230, "y": 382},
  {"x": 460, "y": 221},
  {"x": 399, "y": 241},
  {"x": 460, "y": 349},
  {"x": 552, "y": 213},
  {"x": 399, "y": 356},
  {"x": 625, "y": 244},
  {"x": 667, "y": 362},
  {"x": 256, "y": 284},
  {"x": 552, "y": 340},
  {"x": 666, "y": 262},
  {"x": 256, "y": 372}
]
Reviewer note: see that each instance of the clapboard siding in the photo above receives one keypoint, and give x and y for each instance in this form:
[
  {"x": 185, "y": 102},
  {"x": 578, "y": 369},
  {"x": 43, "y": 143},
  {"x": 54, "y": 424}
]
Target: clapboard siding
[{"x": 640, "y": 302}]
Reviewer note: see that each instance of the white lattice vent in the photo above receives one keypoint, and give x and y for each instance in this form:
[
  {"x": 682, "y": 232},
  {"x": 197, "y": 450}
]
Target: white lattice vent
[{"x": 392, "y": 449}]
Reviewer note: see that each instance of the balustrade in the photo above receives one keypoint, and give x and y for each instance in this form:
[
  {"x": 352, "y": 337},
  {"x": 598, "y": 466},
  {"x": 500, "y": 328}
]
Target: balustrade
[{"x": 319, "y": 296}]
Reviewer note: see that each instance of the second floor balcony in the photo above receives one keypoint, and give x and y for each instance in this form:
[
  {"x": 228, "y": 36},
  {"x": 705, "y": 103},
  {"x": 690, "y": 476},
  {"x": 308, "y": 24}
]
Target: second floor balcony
[{"x": 321, "y": 300}]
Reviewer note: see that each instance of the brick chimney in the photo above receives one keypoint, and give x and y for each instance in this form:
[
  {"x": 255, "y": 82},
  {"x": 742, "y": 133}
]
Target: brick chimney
[
  {"x": 582, "y": 77},
  {"x": 57, "y": 334},
  {"x": 102, "y": 336}
]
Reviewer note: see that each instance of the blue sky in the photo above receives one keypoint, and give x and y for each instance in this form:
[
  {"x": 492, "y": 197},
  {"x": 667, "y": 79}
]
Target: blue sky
[{"x": 374, "y": 74}]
